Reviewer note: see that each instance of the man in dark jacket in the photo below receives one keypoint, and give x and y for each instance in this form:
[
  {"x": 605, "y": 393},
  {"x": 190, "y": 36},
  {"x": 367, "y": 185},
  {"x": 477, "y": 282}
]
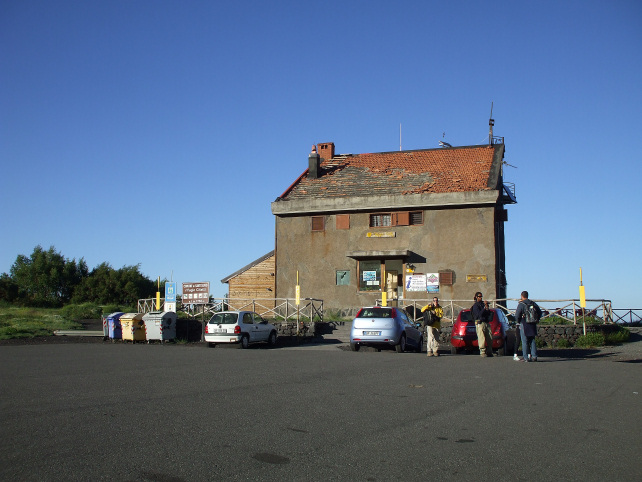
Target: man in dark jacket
[
  {"x": 528, "y": 330},
  {"x": 481, "y": 315}
]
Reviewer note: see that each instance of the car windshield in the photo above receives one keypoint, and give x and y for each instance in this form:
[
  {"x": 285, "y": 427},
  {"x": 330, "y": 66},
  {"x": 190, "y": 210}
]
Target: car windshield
[
  {"x": 224, "y": 319},
  {"x": 375, "y": 313}
]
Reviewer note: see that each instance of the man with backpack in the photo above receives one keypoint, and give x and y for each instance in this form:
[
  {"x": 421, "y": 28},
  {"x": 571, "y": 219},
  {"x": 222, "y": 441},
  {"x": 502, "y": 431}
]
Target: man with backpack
[
  {"x": 528, "y": 315},
  {"x": 432, "y": 321}
]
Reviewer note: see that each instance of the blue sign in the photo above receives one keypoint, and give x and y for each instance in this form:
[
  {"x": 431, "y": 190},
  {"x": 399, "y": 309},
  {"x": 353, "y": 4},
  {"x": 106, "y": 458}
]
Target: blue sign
[{"x": 170, "y": 292}]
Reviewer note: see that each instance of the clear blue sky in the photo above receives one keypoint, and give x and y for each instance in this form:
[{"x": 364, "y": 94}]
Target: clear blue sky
[{"x": 158, "y": 132}]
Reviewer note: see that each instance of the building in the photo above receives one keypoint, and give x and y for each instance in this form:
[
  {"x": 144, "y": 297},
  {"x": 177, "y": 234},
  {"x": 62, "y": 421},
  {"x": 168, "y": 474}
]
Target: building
[
  {"x": 252, "y": 282},
  {"x": 404, "y": 223}
]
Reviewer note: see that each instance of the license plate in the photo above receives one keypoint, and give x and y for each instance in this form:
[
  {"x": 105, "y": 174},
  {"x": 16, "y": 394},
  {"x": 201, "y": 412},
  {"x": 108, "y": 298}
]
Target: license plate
[
  {"x": 372, "y": 333},
  {"x": 471, "y": 329},
  {"x": 219, "y": 331}
]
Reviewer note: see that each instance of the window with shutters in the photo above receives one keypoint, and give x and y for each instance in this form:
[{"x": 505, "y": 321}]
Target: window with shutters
[
  {"x": 380, "y": 220},
  {"x": 318, "y": 223}
]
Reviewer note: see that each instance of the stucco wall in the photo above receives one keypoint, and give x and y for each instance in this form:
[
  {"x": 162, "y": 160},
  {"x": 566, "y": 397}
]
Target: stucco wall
[{"x": 461, "y": 240}]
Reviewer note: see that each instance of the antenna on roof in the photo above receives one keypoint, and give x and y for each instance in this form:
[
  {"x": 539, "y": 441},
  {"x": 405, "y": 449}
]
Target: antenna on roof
[
  {"x": 400, "y": 136},
  {"x": 491, "y": 123}
]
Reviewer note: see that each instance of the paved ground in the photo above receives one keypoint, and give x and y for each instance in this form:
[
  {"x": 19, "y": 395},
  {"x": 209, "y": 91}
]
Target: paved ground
[{"x": 95, "y": 410}]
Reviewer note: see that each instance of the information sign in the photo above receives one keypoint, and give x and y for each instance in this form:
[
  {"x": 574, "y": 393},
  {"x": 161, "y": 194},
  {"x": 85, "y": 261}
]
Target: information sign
[{"x": 196, "y": 293}]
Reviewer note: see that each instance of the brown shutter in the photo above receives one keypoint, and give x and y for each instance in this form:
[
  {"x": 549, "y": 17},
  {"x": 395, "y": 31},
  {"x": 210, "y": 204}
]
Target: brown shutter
[
  {"x": 343, "y": 221},
  {"x": 401, "y": 218},
  {"x": 318, "y": 223}
]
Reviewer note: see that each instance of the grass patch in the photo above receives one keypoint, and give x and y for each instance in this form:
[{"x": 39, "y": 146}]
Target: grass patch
[{"x": 17, "y": 322}]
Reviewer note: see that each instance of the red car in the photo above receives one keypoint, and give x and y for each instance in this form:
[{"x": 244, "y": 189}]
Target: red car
[{"x": 464, "y": 334}]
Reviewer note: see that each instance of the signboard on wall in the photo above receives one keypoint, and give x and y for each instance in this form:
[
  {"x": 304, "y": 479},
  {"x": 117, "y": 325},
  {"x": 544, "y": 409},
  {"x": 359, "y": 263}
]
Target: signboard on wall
[
  {"x": 196, "y": 293},
  {"x": 416, "y": 282},
  {"x": 432, "y": 282}
]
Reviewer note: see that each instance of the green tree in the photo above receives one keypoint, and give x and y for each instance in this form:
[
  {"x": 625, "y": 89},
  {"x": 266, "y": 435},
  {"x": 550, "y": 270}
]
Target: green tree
[
  {"x": 46, "y": 278},
  {"x": 105, "y": 285}
]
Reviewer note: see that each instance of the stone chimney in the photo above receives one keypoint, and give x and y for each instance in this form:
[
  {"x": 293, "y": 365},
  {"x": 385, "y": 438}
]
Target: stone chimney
[{"x": 314, "y": 162}]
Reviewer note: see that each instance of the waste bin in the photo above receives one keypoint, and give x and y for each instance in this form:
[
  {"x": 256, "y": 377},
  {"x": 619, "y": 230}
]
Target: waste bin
[
  {"x": 114, "y": 328},
  {"x": 160, "y": 325},
  {"x": 133, "y": 327}
]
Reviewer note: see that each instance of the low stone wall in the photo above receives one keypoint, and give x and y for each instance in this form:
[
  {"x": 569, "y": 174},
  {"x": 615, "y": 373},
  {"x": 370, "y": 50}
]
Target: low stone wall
[{"x": 551, "y": 334}]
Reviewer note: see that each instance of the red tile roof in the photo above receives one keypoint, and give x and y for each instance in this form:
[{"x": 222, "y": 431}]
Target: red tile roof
[{"x": 442, "y": 170}]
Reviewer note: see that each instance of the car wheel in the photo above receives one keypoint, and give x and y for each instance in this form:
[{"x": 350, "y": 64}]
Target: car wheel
[
  {"x": 454, "y": 350},
  {"x": 245, "y": 341},
  {"x": 420, "y": 345},
  {"x": 272, "y": 339},
  {"x": 401, "y": 347},
  {"x": 211, "y": 345},
  {"x": 355, "y": 346}
]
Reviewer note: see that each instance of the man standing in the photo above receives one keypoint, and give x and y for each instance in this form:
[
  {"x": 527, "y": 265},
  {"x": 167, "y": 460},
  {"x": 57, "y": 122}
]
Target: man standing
[
  {"x": 528, "y": 314},
  {"x": 434, "y": 313},
  {"x": 481, "y": 315}
]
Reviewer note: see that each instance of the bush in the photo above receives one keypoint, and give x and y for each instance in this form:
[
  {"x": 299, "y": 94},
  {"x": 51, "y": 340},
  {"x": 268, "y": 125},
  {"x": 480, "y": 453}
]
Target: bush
[
  {"x": 563, "y": 343},
  {"x": 591, "y": 340},
  {"x": 620, "y": 336},
  {"x": 539, "y": 342},
  {"x": 84, "y": 311}
]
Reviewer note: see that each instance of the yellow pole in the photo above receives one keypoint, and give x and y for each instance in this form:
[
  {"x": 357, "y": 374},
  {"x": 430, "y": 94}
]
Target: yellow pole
[
  {"x": 384, "y": 293},
  {"x": 158, "y": 296}
]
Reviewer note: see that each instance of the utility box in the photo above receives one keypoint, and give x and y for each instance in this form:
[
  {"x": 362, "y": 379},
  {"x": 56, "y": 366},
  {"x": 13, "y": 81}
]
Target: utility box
[
  {"x": 133, "y": 327},
  {"x": 160, "y": 325},
  {"x": 114, "y": 328}
]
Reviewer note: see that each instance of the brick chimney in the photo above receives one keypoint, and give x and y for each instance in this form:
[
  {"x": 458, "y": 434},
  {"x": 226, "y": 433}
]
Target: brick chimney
[
  {"x": 314, "y": 163},
  {"x": 326, "y": 150}
]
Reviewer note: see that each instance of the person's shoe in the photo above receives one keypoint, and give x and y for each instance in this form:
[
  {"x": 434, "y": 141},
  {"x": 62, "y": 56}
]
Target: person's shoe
[
  {"x": 529, "y": 358},
  {"x": 483, "y": 355},
  {"x": 515, "y": 357},
  {"x": 521, "y": 359},
  {"x": 428, "y": 354},
  {"x": 435, "y": 353},
  {"x": 534, "y": 359}
]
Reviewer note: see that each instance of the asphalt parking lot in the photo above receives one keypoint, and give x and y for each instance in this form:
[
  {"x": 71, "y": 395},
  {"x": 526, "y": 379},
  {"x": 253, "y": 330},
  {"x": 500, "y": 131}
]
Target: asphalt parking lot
[{"x": 84, "y": 411}]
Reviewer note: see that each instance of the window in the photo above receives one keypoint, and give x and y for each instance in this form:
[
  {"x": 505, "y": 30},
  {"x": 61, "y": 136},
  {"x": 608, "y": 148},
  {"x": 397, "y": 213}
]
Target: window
[
  {"x": 343, "y": 277},
  {"x": 343, "y": 221},
  {"x": 379, "y": 220},
  {"x": 318, "y": 223},
  {"x": 401, "y": 218},
  {"x": 370, "y": 275},
  {"x": 416, "y": 217}
]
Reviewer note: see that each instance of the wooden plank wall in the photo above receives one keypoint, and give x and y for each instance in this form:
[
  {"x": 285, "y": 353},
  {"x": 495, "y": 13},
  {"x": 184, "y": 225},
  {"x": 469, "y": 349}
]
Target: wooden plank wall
[{"x": 256, "y": 282}]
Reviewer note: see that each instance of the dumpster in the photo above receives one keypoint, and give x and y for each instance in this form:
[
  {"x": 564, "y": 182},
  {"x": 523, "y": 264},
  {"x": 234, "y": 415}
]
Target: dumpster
[
  {"x": 133, "y": 327},
  {"x": 114, "y": 328},
  {"x": 160, "y": 325}
]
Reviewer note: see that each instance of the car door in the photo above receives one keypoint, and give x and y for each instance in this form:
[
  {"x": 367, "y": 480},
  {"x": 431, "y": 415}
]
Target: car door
[
  {"x": 262, "y": 328},
  {"x": 248, "y": 326},
  {"x": 412, "y": 334}
]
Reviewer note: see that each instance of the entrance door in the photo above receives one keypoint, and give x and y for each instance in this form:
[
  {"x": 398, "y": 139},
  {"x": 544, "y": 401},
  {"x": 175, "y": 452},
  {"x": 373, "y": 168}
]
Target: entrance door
[{"x": 392, "y": 283}]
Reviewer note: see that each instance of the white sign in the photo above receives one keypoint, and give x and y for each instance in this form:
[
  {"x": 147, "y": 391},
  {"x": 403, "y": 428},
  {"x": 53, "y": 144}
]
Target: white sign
[
  {"x": 170, "y": 306},
  {"x": 416, "y": 282},
  {"x": 432, "y": 282}
]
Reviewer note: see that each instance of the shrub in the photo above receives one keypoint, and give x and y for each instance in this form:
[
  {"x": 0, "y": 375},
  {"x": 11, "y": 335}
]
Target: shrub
[
  {"x": 563, "y": 343},
  {"x": 620, "y": 336},
  {"x": 81, "y": 312},
  {"x": 590, "y": 340},
  {"x": 109, "y": 309},
  {"x": 539, "y": 342}
]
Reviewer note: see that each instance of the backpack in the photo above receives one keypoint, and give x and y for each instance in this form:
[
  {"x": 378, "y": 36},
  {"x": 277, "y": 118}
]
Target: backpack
[
  {"x": 530, "y": 314},
  {"x": 429, "y": 318}
]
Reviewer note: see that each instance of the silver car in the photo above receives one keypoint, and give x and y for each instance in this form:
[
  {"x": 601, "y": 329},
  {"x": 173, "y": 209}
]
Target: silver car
[
  {"x": 242, "y": 327},
  {"x": 385, "y": 327}
]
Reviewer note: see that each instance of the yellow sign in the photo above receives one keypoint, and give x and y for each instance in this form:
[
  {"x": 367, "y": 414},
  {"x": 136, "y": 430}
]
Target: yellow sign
[
  {"x": 385, "y": 234},
  {"x": 298, "y": 295},
  {"x": 476, "y": 278}
]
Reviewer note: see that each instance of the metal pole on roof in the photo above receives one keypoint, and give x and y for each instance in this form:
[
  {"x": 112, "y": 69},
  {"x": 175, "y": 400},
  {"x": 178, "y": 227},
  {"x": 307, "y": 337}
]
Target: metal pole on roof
[{"x": 400, "y": 136}]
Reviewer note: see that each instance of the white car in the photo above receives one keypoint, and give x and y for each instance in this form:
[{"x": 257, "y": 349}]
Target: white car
[{"x": 242, "y": 327}]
